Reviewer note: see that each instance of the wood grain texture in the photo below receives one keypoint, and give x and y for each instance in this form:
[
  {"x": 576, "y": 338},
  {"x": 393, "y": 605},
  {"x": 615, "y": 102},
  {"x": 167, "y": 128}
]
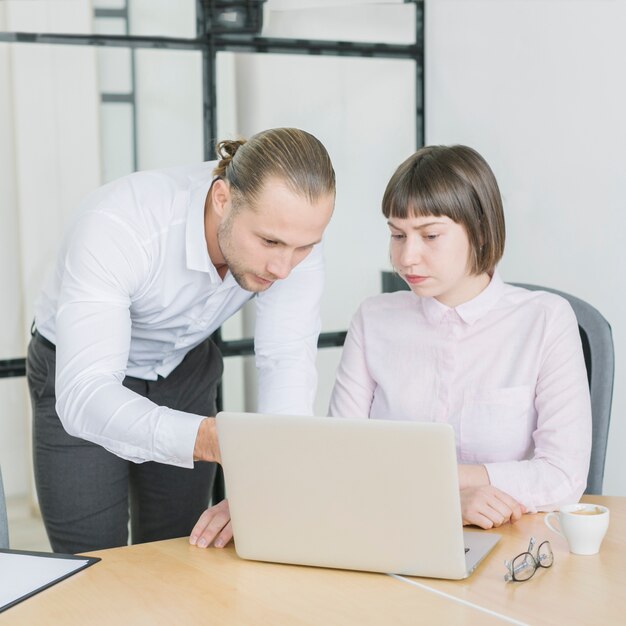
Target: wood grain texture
[
  {"x": 170, "y": 582},
  {"x": 576, "y": 590}
]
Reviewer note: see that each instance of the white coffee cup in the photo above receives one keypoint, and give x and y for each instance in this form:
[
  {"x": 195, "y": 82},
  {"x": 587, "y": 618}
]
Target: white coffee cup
[{"x": 582, "y": 525}]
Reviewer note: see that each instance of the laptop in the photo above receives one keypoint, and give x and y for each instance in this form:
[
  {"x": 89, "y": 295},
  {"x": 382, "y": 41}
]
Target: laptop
[{"x": 359, "y": 494}]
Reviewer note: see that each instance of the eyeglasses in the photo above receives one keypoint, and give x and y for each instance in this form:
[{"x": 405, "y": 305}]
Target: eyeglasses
[{"x": 524, "y": 565}]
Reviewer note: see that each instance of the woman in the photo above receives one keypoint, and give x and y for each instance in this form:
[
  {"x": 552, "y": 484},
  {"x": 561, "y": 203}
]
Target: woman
[{"x": 503, "y": 365}]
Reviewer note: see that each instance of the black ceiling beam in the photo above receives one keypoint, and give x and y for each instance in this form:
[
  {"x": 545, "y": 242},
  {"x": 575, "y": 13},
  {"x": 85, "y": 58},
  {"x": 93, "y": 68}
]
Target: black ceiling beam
[{"x": 226, "y": 43}]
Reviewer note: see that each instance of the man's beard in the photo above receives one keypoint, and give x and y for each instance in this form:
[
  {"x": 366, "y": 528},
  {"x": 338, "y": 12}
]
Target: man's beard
[{"x": 224, "y": 241}]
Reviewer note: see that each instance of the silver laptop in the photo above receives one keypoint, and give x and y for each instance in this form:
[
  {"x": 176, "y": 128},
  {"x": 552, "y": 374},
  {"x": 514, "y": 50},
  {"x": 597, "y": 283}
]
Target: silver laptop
[{"x": 373, "y": 495}]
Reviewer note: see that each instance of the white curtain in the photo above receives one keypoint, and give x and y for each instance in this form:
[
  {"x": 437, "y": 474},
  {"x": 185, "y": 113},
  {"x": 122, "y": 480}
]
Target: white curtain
[
  {"x": 58, "y": 142},
  {"x": 49, "y": 158}
]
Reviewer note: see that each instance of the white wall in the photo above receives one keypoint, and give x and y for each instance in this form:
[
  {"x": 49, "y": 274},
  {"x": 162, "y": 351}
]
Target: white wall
[{"x": 537, "y": 87}]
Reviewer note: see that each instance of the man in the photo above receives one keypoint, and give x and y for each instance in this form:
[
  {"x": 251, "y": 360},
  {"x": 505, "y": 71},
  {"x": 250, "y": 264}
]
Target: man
[{"x": 121, "y": 372}]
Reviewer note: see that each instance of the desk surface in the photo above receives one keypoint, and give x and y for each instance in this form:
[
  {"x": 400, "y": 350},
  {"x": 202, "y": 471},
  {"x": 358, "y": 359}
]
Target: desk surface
[
  {"x": 577, "y": 590},
  {"x": 170, "y": 582}
]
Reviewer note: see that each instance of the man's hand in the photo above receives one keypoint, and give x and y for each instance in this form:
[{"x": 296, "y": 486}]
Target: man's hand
[
  {"x": 207, "y": 447},
  {"x": 488, "y": 507},
  {"x": 213, "y": 527}
]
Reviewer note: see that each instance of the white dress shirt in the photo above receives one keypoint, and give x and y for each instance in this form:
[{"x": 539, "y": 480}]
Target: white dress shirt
[
  {"x": 134, "y": 290},
  {"x": 505, "y": 369}
]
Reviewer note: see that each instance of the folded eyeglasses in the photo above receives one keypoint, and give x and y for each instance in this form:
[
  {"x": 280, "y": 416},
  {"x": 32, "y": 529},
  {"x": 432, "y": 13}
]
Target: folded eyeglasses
[{"x": 524, "y": 565}]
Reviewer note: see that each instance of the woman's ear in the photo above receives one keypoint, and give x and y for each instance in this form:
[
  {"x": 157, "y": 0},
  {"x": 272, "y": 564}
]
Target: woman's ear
[{"x": 220, "y": 197}]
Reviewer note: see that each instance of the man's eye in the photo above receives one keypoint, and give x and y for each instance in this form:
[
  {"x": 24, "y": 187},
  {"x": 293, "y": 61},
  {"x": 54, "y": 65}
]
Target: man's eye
[{"x": 431, "y": 236}]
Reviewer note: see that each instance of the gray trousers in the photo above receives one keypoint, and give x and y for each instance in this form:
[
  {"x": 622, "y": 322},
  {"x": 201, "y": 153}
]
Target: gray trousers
[{"x": 87, "y": 495}]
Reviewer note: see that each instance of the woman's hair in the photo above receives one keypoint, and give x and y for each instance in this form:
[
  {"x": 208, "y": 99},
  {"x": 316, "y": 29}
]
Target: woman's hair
[
  {"x": 452, "y": 181},
  {"x": 294, "y": 156}
]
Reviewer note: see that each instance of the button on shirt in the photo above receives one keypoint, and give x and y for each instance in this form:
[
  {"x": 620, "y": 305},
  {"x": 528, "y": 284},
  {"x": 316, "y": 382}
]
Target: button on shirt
[
  {"x": 134, "y": 290},
  {"x": 505, "y": 369}
]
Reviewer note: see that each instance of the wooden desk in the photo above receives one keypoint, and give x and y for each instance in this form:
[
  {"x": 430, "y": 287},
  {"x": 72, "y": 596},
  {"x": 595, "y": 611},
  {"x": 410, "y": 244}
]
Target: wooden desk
[
  {"x": 170, "y": 582},
  {"x": 575, "y": 590}
]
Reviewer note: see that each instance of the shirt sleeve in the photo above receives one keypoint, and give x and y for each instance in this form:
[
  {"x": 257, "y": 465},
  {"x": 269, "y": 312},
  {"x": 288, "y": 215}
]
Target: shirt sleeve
[
  {"x": 354, "y": 386},
  {"x": 287, "y": 327},
  {"x": 557, "y": 472},
  {"x": 105, "y": 264}
]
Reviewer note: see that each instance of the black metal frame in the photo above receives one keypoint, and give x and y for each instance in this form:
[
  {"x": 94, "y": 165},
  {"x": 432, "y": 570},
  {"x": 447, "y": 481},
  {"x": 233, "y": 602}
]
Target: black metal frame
[
  {"x": 129, "y": 98},
  {"x": 213, "y": 37}
]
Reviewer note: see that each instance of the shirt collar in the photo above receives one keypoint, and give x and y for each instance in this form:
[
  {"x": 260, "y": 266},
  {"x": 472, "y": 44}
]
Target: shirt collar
[
  {"x": 195, "y": 240},
  {"x": 470, "y": 311}
]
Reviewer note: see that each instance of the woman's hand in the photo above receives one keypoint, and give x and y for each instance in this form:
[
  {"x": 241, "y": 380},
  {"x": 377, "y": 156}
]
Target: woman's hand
[
  {"x": 472, "y": 476},
  {"x": 213, "y": 527},
  {"x": 488, "y": 507}
]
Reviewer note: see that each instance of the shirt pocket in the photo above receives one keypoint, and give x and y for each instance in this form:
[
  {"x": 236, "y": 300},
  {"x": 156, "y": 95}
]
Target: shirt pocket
[{"x": 497, "y": 424}]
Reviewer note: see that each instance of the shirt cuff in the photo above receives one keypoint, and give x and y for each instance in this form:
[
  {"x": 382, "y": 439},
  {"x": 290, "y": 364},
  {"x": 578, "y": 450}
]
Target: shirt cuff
[
  {"x": 505, "y": 476},
  {"x": 175, "y": 437}
]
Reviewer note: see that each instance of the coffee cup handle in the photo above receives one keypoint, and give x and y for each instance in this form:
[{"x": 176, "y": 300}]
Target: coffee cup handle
[{"x": 547, "y": 518}]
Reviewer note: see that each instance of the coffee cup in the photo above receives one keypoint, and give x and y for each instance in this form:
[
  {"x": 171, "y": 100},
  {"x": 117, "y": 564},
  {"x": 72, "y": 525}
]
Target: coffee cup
[{"x": 582, "y": 525}]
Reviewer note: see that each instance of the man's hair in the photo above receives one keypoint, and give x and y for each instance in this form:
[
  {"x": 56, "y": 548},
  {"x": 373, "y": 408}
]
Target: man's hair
[
  {"x": 452, "y": 181},
  {"x": 291, "y": 155}
]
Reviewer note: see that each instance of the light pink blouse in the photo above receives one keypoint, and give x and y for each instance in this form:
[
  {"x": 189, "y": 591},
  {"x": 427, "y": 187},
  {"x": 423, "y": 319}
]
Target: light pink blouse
[{"x": 505, "y": 369}]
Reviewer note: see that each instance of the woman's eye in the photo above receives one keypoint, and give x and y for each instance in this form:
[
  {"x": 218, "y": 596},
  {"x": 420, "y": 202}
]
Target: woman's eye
[
  {"x": 396, "y": 236},
  {"x": 431, "y": 236},
  {"x": 269, "y": 242}
]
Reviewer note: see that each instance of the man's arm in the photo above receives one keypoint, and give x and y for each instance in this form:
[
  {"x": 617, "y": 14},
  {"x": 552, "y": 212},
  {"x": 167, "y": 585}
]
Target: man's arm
[
  {"x": 287, "y": 327},
  {"x": 104, "y": 266},
  {"x": 285, "y": 339},
  {"x": 207, "y": 447}
]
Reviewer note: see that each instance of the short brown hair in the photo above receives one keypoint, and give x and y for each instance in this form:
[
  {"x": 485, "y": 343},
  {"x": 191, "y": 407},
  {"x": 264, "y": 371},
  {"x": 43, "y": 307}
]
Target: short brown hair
[
  {"x": 290, "y": 154},
  {"x": 456, "y": 182}
]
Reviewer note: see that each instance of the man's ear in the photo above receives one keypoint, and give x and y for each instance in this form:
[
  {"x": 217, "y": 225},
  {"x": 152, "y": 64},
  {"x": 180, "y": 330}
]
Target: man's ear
[{"x": 220, "y": 197}]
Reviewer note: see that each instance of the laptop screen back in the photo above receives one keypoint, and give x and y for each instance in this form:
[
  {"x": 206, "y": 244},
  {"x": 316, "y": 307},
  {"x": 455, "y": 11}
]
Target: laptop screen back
[{"x": 372, "y": 495}]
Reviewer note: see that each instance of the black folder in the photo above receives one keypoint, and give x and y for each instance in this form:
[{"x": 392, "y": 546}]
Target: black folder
[{"x": 32, "y": 560}]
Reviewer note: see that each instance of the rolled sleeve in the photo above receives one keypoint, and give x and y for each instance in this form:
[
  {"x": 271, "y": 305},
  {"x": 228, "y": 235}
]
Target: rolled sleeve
[{"x": 175, "y": 437}]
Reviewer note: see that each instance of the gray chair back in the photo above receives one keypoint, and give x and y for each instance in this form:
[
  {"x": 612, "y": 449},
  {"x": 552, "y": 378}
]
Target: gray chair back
[
  {"x": 4, "y": 524},
  {"x": 597, "y": 342}
]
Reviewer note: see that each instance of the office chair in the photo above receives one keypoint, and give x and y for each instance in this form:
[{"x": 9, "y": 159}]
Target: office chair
[
  {"x": 4, "y": 524},
  {"x": 597, "y": 342}
]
